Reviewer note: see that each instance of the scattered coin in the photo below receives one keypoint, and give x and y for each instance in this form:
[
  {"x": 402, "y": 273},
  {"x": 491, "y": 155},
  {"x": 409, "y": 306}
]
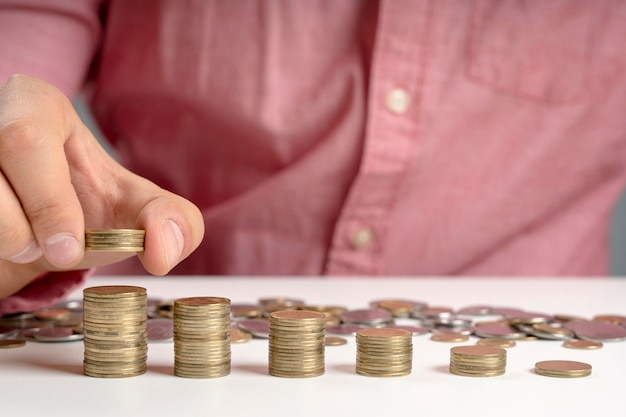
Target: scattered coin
[
  {"x": 344, "y": 329},
  {"x": 549, "y": 331},
  {"x": 57, "y": 334},
  {"x": 582, "y": 344},
  {"x": 449, "y": 337},
  {"x": 502, "y": 332},
  {"x": 433, "y": 313},
  {"x": 256, "y": 327},
  {"x": 397, "y": 307},
  {"x": 415, "y": 330},
  {"x": 283, "y": 301},
  {"x": 249, "y": 311},
  {"x": 160, "y": 330},
  {"x": 597, "y": 331},
  {"x": 11, "y": 343},
  {"x": 475, "y": 310},
  {"x": 367, "y": 317},
  {"x": 56, "y": 314},
  {"x": 238, "y": 335},
  {"x": 334, "y": 341},
  {"x": 611, "y": 318},
  {"x": 495, "y": 342}
]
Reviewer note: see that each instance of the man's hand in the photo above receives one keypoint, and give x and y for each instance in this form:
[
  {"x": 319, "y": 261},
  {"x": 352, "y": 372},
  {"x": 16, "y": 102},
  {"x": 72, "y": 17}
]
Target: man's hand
[{"x": 55, "y": 180}]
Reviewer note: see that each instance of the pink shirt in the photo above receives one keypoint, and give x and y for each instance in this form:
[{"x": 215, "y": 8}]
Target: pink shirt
[{"x": 397, "y": 137}]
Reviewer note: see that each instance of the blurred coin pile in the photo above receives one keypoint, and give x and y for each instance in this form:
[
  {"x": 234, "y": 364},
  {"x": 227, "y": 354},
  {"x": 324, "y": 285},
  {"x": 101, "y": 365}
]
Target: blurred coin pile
[
  {"x": 296, "y": 344},
  {"x": 115, "y": 335},
  {"x": 114, "y": 240},
  {"x": 63, "y": 323},
  {"x": 202, "y": 337},
  {"x": 384, "y": 352},
  {"x": 477, "y": 361},
  {"x": 443, "y": 323}
]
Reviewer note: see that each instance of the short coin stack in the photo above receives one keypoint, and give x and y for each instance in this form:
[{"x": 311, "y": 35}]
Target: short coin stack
[
  {"x": 114, "y": 240},
  {"x": 115, "y": 335},
  {"x": 563, "y": 369},
  {"x": 477, "y": 361},
  {"x": 202, "y": 337},
  {"x": 384, "y": 352},
  {"x": 296, "y": 343}
]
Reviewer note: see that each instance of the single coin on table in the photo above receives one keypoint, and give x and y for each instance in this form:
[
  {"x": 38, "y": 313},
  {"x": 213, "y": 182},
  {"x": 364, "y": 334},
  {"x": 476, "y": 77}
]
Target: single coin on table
[{"x": 563, "y": 369}]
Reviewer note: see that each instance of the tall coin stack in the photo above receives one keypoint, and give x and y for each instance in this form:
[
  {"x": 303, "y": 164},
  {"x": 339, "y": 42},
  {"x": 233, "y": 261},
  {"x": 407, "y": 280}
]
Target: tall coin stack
[
  {"x": 477, "y": 361},
  {"x": 384, "y": 352},
  {"x": 296, "y": 343},
  {"x": 202, "y": 337},
  {"x": 115, "y": 333},
  {"x": 114, "y": 240}
]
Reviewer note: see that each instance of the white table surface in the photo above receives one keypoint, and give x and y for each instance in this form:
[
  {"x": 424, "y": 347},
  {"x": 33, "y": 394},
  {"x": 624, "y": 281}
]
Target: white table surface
[{"x": 45, "y": 379}]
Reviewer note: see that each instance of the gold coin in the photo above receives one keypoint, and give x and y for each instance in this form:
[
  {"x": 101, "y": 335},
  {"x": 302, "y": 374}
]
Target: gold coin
[
  {"x": 497, "y": 342},
  {"x": 582, "y": 344},
  {"x": 55, "y": 314},
  {"x": 449, "y": 337},
  {"x": 334, "y": 341},
  {"x": 239, "y": 336},
  {"x": 611, "y": 318},
  {"x": 247, "y": 311}
]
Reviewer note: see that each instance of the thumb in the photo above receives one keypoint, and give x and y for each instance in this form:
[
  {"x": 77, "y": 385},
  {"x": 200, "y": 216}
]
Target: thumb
[{"x": 174, "y": 226}]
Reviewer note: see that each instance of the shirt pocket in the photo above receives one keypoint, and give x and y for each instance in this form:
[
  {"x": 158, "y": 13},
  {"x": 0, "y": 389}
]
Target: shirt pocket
[{"x": 532, "y": 49}]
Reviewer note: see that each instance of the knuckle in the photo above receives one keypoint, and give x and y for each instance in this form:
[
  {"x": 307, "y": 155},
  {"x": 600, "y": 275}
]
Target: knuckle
[
  {"x": 12, "y": 239},
  {"x": 46, "y": 214},
  {"x": 19, "y": 136}
]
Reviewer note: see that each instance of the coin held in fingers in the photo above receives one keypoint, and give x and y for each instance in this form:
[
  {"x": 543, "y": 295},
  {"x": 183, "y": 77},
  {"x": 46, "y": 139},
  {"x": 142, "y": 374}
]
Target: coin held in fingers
[{"x": 114, "y": 240}]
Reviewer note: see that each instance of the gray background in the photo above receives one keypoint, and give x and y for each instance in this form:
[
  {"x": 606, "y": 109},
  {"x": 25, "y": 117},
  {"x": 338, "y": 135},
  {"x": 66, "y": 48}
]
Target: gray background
[{"x": 618, "y": 224}]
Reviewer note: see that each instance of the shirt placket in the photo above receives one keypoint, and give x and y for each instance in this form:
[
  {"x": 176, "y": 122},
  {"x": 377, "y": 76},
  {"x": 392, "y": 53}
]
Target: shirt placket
[{"x": 391, "y": 136}]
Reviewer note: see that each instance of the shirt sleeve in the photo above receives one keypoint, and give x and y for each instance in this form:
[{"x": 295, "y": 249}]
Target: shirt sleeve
[
  {"x": 55, "y": 41},
  {"x": 44, "y": 291}
]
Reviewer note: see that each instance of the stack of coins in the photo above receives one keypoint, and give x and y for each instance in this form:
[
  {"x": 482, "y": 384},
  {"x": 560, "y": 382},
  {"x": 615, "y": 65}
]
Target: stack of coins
[
  {"x": 202, "y": 337},
  {"x": 563, "y": 369},
  {"x": 477, "y": 361},
  {"x": 384, "y": 352},
  {"x": 296, "y": 343},
  {"x": 114, "y": 240},
  {"x": 115, "y": 335}
]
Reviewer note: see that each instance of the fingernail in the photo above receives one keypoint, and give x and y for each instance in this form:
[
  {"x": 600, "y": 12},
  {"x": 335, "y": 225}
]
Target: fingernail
[
  {"x": 62, "y": 249},
  {"x": 29, "y": 254},
  {"x": 173, "y": 240}
]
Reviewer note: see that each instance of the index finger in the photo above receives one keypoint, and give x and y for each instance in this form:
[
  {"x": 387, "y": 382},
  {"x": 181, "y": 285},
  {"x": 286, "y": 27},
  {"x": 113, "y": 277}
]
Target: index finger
[{"x": 35, "y": 123}]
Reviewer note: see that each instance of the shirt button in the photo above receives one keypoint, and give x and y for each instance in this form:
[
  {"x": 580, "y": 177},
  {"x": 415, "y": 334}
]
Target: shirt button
[
  {"x": 398, "y": 100},
  {"x": 362, "y": 238}
]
